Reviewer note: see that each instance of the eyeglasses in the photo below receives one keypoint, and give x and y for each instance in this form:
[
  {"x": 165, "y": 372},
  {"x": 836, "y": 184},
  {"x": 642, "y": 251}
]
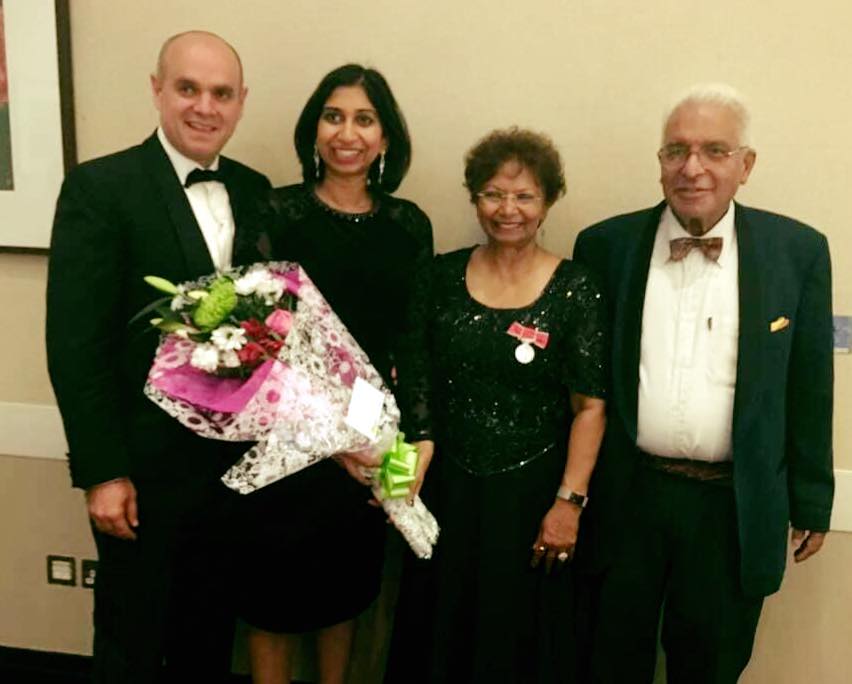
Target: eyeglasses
[
  {"x": 495, "y": 198},
  {"x": 675, "y": 155}
]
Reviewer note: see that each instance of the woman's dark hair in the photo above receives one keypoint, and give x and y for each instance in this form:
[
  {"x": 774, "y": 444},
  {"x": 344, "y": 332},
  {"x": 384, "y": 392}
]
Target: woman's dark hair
[
  {"x": 398, "y": 154},
  {"x": 533, "y": 151}
]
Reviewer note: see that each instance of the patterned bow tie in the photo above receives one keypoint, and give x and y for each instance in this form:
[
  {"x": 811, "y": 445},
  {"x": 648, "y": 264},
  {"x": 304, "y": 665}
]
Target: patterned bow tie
[
  {"x": 203, "y": 176},
  {"x": 711, "y": 247}
]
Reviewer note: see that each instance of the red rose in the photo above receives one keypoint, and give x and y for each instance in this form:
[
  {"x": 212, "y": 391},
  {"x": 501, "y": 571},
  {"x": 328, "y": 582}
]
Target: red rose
[
  {"x": 250, "y": 354},
  {"x": 255, "y": 329},
  {"x": 271, "y": 346}
]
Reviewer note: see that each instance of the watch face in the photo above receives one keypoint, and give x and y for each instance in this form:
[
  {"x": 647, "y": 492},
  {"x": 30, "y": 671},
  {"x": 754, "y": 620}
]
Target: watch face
[
  {"x": 572, "y": 497},
  {"x": 577, "y": 499}
]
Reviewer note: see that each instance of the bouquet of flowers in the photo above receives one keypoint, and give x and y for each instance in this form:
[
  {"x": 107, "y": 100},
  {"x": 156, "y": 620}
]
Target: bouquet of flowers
[{"x": 256, "y": 354}]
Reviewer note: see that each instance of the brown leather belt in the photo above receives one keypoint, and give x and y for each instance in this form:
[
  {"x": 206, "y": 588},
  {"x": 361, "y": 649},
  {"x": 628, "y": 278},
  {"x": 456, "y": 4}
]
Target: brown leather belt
[{"x": 720, "y": 472}]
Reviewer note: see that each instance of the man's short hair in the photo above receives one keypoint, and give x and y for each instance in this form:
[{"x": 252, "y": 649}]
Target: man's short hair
[{"x": 718, "y": 94}]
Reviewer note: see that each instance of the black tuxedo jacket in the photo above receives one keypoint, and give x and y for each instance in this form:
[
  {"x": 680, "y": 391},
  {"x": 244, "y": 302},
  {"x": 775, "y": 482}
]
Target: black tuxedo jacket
[
  {"x": 783, "y": 398},
  {"x": 118, "y": 219}
]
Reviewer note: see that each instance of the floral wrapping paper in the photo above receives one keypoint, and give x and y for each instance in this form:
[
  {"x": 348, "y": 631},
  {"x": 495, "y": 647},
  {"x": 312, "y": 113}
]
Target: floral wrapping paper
[{"x": 293, "y": 403}]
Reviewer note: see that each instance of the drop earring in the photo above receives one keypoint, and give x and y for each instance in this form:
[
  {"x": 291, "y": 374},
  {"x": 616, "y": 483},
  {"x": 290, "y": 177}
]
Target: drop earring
[
  {"x": 381, "y": 167},
  {"x": 316, "y": 162}
]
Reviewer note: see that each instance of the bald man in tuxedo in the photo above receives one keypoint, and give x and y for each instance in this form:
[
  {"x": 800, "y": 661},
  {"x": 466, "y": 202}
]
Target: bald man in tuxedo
[{"x": 173, "y": 207}]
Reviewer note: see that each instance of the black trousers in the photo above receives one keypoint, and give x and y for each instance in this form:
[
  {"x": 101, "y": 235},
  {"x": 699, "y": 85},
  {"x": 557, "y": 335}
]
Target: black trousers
[
  {"x": 679, "y": 556},
  {"x": 162, "y": 606}
]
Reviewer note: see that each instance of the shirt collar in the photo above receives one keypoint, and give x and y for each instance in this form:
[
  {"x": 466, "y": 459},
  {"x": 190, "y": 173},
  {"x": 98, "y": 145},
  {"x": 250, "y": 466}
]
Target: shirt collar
[
  {"x": 724, "y": 228},
  {"x": 182, "y": 165}
]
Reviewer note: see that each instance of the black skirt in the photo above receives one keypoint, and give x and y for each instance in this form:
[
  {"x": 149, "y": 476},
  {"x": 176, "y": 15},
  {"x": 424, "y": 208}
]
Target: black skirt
[{"x": 310, "y": 551}]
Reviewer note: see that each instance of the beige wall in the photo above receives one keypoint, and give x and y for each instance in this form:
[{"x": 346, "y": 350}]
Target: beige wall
[
  {"x": 594, "y": 74},
  {"x": 41, "y": 515}
]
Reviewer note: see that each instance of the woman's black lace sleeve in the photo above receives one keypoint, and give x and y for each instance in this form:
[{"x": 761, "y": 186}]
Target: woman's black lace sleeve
[{"x": 414, "y": 374}]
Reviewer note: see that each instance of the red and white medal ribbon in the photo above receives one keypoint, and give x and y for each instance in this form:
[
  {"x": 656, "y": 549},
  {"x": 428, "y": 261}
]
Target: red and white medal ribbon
[{"x": 524, "y": 352}]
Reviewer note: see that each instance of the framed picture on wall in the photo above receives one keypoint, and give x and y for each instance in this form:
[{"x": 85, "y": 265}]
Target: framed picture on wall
[{"x": 37, "y": 142}]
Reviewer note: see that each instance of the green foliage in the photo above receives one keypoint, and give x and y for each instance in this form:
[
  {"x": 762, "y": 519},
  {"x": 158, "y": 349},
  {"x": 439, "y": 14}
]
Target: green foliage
[
  {"x": 162, "y": 285},
  {"x": 161, "y": 306}
]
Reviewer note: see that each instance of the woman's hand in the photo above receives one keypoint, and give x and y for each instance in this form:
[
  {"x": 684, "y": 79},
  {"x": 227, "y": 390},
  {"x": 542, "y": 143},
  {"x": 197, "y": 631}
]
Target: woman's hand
[
  {"x": 361, "y": 465},
  {"x": 557, "y": 534},
  {"x": 425, "y": 449}
]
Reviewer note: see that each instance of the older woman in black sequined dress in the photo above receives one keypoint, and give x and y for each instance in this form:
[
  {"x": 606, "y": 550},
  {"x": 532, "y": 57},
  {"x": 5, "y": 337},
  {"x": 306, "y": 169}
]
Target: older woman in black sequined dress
[{"x": 504, "y": 376}]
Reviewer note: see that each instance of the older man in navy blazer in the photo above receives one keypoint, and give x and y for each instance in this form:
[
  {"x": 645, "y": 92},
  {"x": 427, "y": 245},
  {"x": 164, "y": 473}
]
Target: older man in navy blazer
[
  {"x": 719, "y": 428},
  {"x": 172, "y": 207}
]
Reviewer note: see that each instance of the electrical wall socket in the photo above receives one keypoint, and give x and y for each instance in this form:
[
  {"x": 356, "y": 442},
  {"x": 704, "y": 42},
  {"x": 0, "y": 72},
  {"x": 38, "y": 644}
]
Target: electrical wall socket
[
  {"x": 88, "y": 572},
  {"x": 62, "y": 570}
]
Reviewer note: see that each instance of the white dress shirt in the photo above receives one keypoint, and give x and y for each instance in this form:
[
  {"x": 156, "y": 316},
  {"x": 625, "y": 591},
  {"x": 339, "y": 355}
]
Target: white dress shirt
[
  {"x": 688, "y": 362},
  {"x": 210, "y": 204}
]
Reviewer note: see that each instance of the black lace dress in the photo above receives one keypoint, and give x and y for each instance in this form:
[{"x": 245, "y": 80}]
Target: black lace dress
[
  {"x": 476, "y": 612},
  {"x": 312, "y": 550}
]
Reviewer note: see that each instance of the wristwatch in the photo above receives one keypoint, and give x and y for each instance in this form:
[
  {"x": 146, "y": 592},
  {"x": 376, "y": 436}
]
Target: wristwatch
[{"x": 572, "y": 497}]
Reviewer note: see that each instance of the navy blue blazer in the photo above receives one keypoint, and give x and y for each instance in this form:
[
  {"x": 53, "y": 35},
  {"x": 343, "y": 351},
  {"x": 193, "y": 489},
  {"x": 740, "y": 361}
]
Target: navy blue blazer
[
  {"x": 120, "y": 218},
  {"x": 782, "y": 430}
]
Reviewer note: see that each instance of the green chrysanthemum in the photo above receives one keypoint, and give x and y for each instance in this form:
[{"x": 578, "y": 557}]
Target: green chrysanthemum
[{"x": 216, "y": 307}]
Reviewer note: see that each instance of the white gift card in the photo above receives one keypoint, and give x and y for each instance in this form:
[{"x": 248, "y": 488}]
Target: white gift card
[{"x": 365, "y": 408}]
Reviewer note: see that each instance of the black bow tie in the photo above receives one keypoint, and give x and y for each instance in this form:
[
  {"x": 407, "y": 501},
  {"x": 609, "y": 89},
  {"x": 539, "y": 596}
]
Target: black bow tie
[{"x": 204, "y": 176}]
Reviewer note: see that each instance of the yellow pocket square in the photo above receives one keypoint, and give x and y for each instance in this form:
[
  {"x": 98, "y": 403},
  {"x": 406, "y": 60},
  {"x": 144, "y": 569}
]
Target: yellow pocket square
[{"x": 779, "y": 324}]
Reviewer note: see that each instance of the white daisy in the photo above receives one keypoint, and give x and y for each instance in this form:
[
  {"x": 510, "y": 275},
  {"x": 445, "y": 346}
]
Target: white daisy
[
  {"x": 205, "y": 357},
  {"x": 271, "y": 290},
  {"x": 230, "y": 359},
  {"x": 179, "y": 301},
  {"x": 248, "y": 283},
  {"x": 228, "y": 337}
]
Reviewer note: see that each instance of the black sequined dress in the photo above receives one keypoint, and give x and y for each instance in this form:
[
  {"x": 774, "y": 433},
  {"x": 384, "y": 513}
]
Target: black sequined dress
[
  {"x": 476, "y": 612},
  {"x": 312, "y": 549}
]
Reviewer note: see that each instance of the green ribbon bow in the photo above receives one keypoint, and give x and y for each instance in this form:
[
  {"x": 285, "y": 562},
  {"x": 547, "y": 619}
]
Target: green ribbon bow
[{"x": 398, "y": 469}]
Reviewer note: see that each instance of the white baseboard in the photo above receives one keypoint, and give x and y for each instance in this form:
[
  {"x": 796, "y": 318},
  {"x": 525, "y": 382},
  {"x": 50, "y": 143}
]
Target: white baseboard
[{"x": 35, "y": 431}]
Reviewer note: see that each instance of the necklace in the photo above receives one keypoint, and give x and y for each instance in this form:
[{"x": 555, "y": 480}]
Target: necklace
[{"x": 357, "y": 217}]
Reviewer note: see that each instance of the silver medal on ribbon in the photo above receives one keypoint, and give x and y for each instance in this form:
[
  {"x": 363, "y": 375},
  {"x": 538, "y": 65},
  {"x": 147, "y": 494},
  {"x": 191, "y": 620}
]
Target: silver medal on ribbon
[{"x": 524, "y": 353}]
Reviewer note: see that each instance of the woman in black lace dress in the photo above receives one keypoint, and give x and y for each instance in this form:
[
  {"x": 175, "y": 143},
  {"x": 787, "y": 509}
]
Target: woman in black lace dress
[
  {"x": 503, "y": 372},
  {"x": 315, "y": 551}
]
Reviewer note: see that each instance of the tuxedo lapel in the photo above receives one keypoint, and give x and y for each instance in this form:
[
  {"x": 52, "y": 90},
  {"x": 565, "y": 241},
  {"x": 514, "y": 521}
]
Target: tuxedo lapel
[
  {"x": 189, "y": 234},
  {"x": 627, "y": 336},
  {"x": 251, "y": 214},
  {"x": 753, "y": 260}
]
